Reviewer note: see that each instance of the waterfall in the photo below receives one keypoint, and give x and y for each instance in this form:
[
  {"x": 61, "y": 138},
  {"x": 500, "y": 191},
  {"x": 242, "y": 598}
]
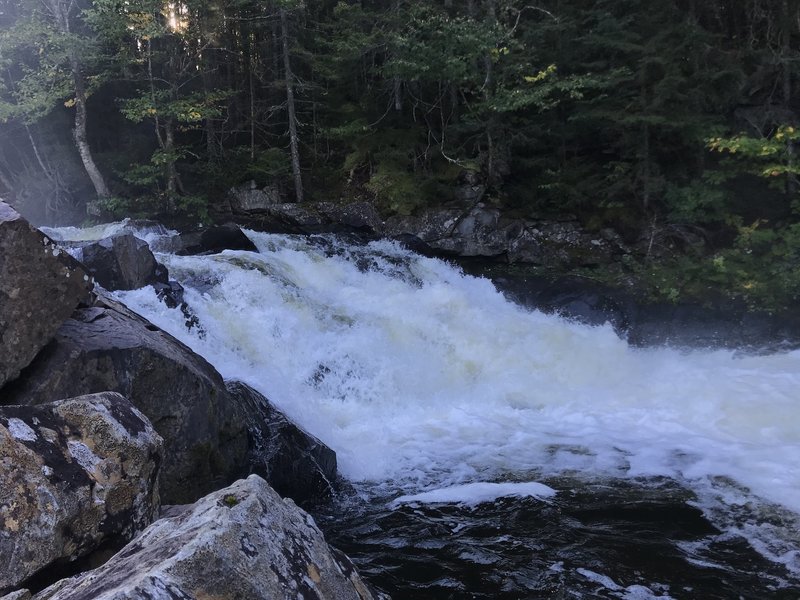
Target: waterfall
[{"x": 422, "y": 378}]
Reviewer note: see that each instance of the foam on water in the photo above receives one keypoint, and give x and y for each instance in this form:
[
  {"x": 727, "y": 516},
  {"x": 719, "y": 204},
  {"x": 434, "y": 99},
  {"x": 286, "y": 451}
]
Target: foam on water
[
  {"x": 473, "y": 494},
  {"x": 149, "y": 232},
  {"x": 419, "y": 376}
]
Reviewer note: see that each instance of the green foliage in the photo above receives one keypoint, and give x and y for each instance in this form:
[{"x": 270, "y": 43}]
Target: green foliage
[
  {"x": 620, "y": 112},
  {"x": 696, "y": 202},
  {"x": 770, "y": 156}
]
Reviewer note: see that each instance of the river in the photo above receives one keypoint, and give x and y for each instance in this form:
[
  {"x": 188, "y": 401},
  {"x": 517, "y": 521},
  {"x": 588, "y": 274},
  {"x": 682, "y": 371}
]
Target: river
[{"x": 496, "y": 452}]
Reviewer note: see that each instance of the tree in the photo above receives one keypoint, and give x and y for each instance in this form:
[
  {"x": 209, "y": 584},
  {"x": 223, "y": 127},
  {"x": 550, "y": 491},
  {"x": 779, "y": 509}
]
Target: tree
[{"x": 56, "y": 61}]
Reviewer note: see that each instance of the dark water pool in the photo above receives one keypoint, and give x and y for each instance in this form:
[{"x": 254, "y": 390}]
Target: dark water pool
[{"x": 615, "y": 539}]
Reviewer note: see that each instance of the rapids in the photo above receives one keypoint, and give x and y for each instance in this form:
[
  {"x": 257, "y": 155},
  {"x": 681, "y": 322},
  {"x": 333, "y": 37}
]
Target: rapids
[{"x": 431, "y": 387}]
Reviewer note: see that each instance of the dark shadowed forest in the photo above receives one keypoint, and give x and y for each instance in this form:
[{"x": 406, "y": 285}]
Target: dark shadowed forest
[{"x": 672, "y": 122}]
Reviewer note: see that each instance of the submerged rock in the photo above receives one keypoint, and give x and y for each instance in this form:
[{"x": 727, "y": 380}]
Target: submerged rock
[
  {"x": 122, "y": 262},
  {"x": 40, "y": 285},
  {"x": 239, "y": 542},
  {"x": 75, "y": 475}
]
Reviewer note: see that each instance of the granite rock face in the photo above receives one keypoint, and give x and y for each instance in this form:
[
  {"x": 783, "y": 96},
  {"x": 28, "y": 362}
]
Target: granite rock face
[
  {"x": 75, "y": 475},
  {"x": 40, "y": 286},
  {"x": 243, "y": 542}
]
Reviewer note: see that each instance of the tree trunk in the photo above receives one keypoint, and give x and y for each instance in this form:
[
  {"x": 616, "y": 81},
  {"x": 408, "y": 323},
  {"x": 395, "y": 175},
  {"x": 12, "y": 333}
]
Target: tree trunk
[
  {"x": 173, "y": 182},
  {"x": 397, "y": 84},
  {"x": 79, "y": 133},
  {"x": 60, "y": 11},
  {"x": 294, "y": 140}
]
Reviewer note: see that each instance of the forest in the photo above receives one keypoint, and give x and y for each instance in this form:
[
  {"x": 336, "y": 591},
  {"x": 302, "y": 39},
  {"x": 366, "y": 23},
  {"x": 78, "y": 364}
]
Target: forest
[{"x": 673, "y": 122}]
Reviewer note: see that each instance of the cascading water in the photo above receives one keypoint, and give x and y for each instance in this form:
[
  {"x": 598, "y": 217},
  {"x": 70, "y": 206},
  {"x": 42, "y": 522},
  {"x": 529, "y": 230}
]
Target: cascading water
[{"x": 497, "y": 452}]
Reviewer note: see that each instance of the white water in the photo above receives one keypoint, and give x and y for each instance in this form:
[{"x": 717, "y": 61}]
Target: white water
[
  {"x": 479, "y": 492},
  {"x": 420, "y": 377}
]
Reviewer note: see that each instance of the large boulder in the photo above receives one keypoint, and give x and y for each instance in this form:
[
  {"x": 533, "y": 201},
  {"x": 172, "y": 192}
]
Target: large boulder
[
  {"x": 313, "y": 217},
  {"x": 214, "y": 240},
  {"x": 294, "y": 462},
  {"x": 75, "y": 475},
  {"x": 212, "y": 436},
  {"x": 248, "y": 198},
  {"x": 474, "y": 232},
  {"x": 108, "y": 347},
  {"x": 240, "y": 542},
  {"x": 122, "y": 262},
  {"x": 40, "y": 286}
]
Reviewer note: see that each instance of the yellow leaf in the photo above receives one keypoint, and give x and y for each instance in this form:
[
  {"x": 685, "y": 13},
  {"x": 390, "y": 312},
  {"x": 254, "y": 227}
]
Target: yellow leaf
[{"x": 69, "y": 103}]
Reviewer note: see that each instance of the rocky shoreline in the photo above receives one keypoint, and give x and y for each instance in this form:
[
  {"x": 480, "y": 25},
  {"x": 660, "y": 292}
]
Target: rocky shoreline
[{"x": 105, "y": 419}]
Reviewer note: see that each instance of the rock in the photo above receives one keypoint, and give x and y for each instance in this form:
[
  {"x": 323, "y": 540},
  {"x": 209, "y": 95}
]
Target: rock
[
  {"x": 481, "y": 231},
  {"x": 212, "y": 436},
  {"x": 122, "y": 262},
  {"x": 108, "y": 347},
  {"x": 247, "y": 198},
  {"x": 292, "y": 218},
  {"x": 40, "y": 286},
  {"x": 215, "y": 239},
  {"x": 562, "y": 245},
  {"x": 294, "y": 462},
  {"x": 240, "y": 542},
  {"x": 18, "y": 595},
  {"x": 315, "y": 217},
  {"x": 469, "y": 195},
  {"x": 357, "y": 217},
  {"x": 476, "y": 232},
  {"x": 413, "y": 243},
  {"x": 172, "y": 295},
  {"x": 76, "y": 474},
  {"x": 431, "y": 226}
]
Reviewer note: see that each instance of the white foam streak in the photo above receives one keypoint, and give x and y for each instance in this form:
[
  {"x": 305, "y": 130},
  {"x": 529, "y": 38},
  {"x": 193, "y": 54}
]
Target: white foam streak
[{"x": 479, "y": 492}]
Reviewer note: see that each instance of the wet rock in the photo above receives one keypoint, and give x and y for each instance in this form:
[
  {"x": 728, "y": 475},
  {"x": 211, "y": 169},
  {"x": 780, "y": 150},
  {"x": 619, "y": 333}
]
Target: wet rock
[
  {"x": 172, "y": 295},
  {"x": 76, "y": 474},
  {"x": 40, "y": 285},
  {"x": 294, "y": 462},
  {"x": 248, "y": 198},
  {"x": 214, "y": 240},
  {"x": 357, "y": 217},
  {"x": 291, "y": 218},
  {"x": 413, "y": 243},
  {"x": 108, "y": 347},
  {"x": 122, "y": 262},
  {"x": 431, "y": 226},
  {"x": 315, "y": 217},
  {"x": 484, "y": 232},
  {"x": 239, "y": 542},
  {"x": 18, "y": 595},
  {"x": 562, "y": 245}
]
